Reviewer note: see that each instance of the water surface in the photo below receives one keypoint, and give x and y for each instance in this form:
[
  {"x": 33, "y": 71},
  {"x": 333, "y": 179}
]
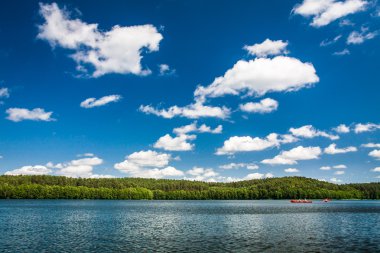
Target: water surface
[{"x": 188, "y": 226}]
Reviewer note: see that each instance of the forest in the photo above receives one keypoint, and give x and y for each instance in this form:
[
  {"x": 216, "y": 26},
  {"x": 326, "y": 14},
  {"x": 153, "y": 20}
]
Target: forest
[{"x": 59, "y": 187}]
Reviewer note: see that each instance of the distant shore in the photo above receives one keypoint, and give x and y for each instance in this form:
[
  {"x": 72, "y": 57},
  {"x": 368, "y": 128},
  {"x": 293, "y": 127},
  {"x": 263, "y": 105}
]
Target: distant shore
[{"x": 57, "y": 187}]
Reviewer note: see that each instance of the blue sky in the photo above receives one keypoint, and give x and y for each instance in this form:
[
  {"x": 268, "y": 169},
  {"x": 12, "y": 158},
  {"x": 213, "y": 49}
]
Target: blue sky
[{"x": 105, "y": 89}]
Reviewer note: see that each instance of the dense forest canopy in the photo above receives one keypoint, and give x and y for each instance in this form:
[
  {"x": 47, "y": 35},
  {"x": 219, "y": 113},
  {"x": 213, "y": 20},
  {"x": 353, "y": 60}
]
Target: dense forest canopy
[{"x": 58, "y": 187}]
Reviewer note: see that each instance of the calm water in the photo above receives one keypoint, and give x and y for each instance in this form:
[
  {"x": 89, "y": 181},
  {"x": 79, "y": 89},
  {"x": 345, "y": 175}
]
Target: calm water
[{"x": 188, "y": 226}]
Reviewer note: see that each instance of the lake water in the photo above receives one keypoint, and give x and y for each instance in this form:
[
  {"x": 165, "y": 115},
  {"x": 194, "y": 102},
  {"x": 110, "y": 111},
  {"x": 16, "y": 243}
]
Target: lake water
[{"x": 188, "y": 226}]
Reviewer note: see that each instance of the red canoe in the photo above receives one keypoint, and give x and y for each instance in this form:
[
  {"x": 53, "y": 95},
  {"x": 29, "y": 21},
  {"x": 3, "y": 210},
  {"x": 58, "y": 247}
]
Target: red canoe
[{"x": 303, "y": 201}]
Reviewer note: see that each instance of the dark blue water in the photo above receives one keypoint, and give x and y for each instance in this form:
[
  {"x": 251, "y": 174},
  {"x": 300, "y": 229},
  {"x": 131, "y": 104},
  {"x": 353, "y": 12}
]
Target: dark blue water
[{"x": 188, "y": 226}]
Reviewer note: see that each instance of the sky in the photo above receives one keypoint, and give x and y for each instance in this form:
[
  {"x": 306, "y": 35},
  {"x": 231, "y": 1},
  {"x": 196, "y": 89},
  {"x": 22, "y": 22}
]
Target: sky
[{"x": 193, "y": 90}]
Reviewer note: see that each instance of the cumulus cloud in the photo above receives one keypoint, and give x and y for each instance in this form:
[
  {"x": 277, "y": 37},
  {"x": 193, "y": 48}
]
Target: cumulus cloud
[
  {"x": 93, "y": 102},
  {"x": 260, "y": 76},
  {"x": 202, "y": 174},
  {"x": 342, "y": 129},
  {"x": 371, "y": 145},
  {"x": 339, "y": 166},
  {"x": 4, "y": 92},
  {"x": 333, "y": 150},
  {"x": 323, "y": 12},
  {"x": 266, "y": 105},
  {"x": 148, "y": 164},
  {"x": 182, "y": 141},
  {"x": 193, "y": 128},
  {"x": 118, "y": 50},
  {"x": 165, "y": 69},
  {"x": 78, "y": 168},
  {"x": 367, "y": 127},
  {"x": 29, "y": 170},
  {"x": 268, "y": 47},
  {"x": 294, "y": 155},
  {"x": 377, "y": 169},
  {"x": 82, "y": 167},
  {"x": 253, "y": 77},
  {"x": 356, "y": 37},
  {"x": 251, "y": 176},
  {"x": 20, "y": 114},
  {"x": 309, "y": 131},
  {"x": 246, "y": 143},
  {"x": 339, "y": 172},
  {"x": 375, "y": 154},
  {"x": 291, "y": 170},
  {"x": 179, "y": 143},
  {"x": 257, "y": 175},
  {"x": 191, "y": 111},
  {"x": 230, "y": 166}
]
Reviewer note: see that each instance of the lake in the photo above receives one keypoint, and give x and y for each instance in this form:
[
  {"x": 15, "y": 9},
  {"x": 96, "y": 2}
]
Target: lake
[{"x": 188, "y": 226}]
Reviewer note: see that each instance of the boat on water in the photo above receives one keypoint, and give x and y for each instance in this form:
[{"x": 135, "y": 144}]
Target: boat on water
[{"x": 301, "y": 201}]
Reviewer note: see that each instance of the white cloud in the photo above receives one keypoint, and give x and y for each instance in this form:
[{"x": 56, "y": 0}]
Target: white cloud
[
  {"x": 377, "y": 169},
  {"x": 371, "y": 145},
  {"x": 258, "y": 176},
  {"x": 294, "y": 155},
  {"x": 192, "y": 111},
  {"x": 202, "y": 174},
  {"x": 251, "y": 176},
  {"x": 335, "y": 180},
  {"x": 178, "y": 143},
  {"x": 78, "y": 168},
  {"x": 165, "y": 69},
  {"x": 266, "y": 105},
  {"x": 291, "y": 170},
  {"x": 260, "y": 76},
  {"x": 342, "y": 129},
  {"x": 368, "y": 127},
  {"x": 148, "y": 164},
  {"x": 246, "y": 143},
  {"x": 328, "y": 42},
  {"x": 85, "y": 154},
  {"x": 230, "y": 166},
  {"x": 149, "y": 158},
  {"x": 29, "y": 170},
  {"x": 324, "y": 12},
  {"x": 194, "y": 128},
  {"x": 4, "y": 92},
  {"x": 101, "y": 176},
  {"x": 339, "y": 172},
  {"x": 93, "y": 102},
  {"x": 118, "y": 50},
  {"x": 343, "y": 52},
  {"x": 181, "y": 141},
  {"x": 309, "y": 131},
  {"x": 333, "y": 150},
  {"x": 268, "y": 47},
  {"x": 20, "y": 114},
  {"x": 356, "y": 37},
  {"x": 206, "y": 129},
  {"x": 339, "y": 166},
  {"x": 158, "y": 173},
  {"x": 375, "y": 154}
]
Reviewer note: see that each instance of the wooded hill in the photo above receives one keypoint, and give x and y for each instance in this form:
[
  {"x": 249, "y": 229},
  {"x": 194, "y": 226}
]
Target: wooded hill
[{"x": 57, "y": 187}]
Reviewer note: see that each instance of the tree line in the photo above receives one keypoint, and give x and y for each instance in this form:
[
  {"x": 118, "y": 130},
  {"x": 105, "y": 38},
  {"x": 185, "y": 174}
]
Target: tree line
[{"x": 58, "y": 187}]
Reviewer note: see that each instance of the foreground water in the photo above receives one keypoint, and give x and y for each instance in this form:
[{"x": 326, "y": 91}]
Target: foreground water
[{"x": 188, "y": 226}]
